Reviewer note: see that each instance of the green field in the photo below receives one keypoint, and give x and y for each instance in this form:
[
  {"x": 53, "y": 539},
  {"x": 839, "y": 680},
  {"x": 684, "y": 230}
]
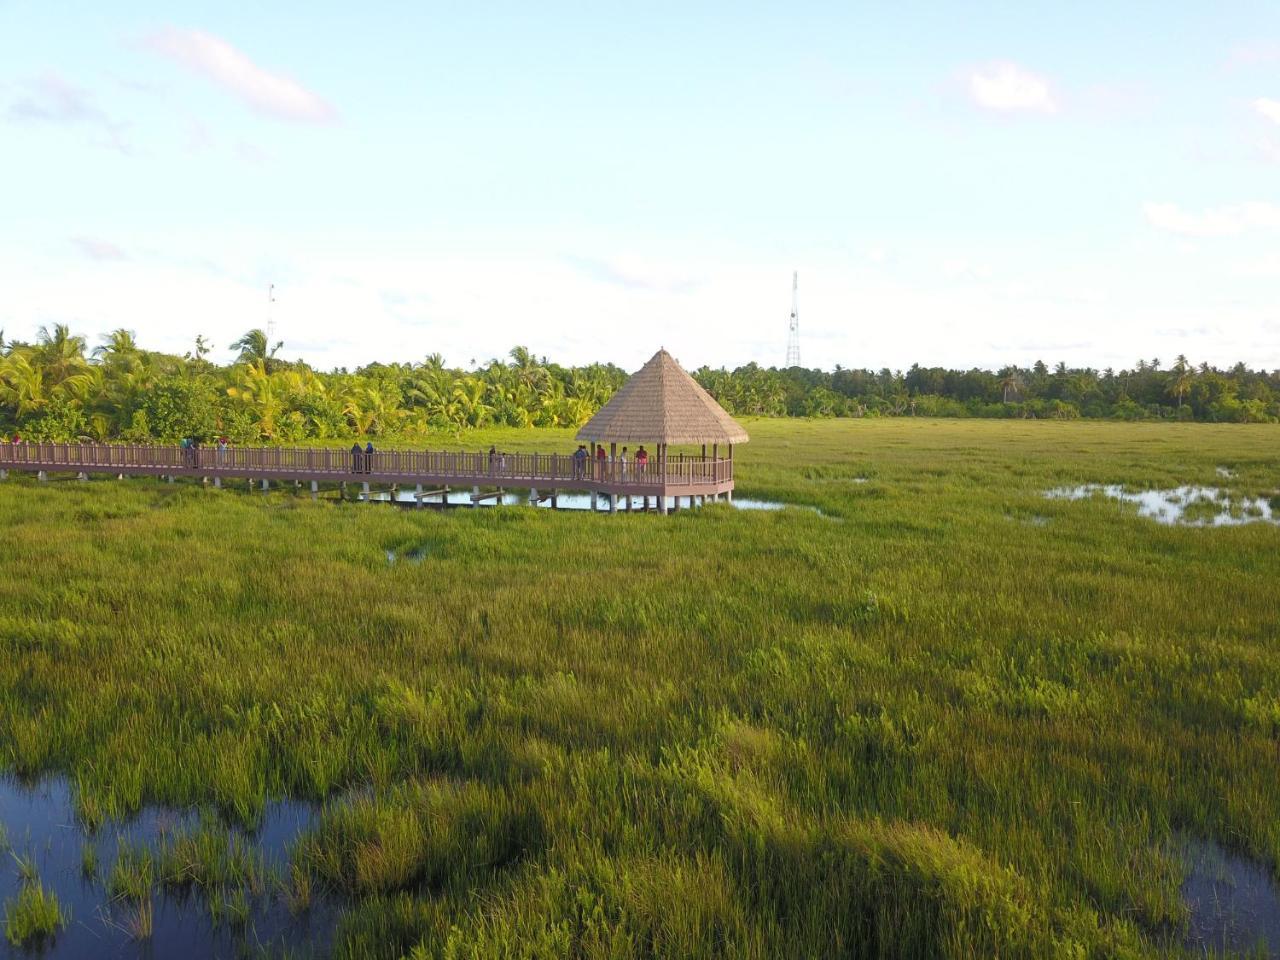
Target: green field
[{"x": 945, "y": 716}]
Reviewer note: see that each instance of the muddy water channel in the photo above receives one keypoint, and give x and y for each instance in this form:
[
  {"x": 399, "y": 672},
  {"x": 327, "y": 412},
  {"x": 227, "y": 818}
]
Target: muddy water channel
[{"x": 41, "y": 842}]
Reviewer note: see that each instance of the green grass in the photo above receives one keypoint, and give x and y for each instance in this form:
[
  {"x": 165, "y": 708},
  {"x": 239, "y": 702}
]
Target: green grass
[
  {"x": 949, "y": 717},
  {"x": 33, "y": 917}
]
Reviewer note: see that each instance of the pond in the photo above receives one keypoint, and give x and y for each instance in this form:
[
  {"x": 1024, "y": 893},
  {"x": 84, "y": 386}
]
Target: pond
[
  {"x": 1189, "y": 506},
  {"x": 40, "y": 835},
  {"x": 1234, "y": 902}
]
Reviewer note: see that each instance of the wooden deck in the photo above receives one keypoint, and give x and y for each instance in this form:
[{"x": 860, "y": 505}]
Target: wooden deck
[{"x": 683, "y": 477}]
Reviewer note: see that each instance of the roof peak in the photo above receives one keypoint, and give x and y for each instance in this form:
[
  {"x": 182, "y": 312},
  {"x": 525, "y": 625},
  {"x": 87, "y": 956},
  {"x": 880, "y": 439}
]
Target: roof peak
[{"x": 662, "y": 403}]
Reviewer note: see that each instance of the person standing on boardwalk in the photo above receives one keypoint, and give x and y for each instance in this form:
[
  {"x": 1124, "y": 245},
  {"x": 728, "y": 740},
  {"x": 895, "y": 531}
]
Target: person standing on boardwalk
[
  {"x": 368, "y": 457},
  {"x": 580, "y": 462},
  {"x": 355, "y": 457},
  {"x": 622, "y": 464},
  {"x": 642, "y": 458},
  {"x": 493, "y": 458},
  {"x": 600, "y": 462}
]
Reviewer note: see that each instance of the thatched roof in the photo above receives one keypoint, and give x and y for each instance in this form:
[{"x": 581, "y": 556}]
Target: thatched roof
[{"x": 662, "y": 404}]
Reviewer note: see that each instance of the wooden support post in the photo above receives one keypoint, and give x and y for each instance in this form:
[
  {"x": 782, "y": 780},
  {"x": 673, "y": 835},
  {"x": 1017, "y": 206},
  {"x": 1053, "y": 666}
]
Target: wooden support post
[
  {"x": 555, "y": 499},
  {"x": 627, "y": 504}
]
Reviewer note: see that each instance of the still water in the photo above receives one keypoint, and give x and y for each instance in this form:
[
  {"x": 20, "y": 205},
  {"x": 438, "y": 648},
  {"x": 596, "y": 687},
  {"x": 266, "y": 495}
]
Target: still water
[
  {"x": 1189, "y": 506},
  {"x": 37, "y": 824}
]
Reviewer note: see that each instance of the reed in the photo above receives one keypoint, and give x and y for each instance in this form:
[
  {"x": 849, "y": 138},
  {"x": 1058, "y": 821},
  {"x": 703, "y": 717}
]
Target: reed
[{"x": 944, "y": 717}]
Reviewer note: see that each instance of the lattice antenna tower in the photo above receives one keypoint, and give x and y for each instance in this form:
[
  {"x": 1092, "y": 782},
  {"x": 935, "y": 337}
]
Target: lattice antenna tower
[
  {"x": 271, "y": 313},
  {"x": 793, "y": 335}
]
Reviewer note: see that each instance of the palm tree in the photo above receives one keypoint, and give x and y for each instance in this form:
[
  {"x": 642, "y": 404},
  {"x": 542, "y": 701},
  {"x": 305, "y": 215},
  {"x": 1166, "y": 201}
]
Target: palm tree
[
  {"x": 117, "y": 343},
  {"x": 1182, "y": 380},
  {"x": 254, "y": 348},
  {"x": 257, "y": 391},
  {"x": 1011, "y": 383},
  {"x": 22, "y": 385},
  {"x": 60, "y": 354}
]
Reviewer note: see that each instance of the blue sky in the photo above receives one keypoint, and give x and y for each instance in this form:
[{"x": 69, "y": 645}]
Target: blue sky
[{"x": 957, "y": 184}]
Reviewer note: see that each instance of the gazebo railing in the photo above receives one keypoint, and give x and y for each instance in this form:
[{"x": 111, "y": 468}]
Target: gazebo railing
[{"x": 533, "y": 469}]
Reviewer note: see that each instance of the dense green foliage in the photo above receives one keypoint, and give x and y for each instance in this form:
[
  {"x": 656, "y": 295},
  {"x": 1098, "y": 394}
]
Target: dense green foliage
[
  {"x": 54, "y": 390},
  {"x": 948, "y": 718}
]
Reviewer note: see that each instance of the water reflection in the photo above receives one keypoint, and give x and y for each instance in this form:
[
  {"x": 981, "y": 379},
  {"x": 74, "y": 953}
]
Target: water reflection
[
  {"x": 564, "y": 501},
  {"x": 1191, "y": 506}
]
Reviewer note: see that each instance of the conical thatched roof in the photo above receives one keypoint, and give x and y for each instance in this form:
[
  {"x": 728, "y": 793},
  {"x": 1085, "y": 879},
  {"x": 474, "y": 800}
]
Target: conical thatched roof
[{"x": 662, "y": 404}]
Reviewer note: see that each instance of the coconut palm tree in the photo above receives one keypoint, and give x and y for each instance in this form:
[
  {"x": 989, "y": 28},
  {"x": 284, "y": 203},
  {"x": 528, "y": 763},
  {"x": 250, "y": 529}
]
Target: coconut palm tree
[
  {"x": 254, "y": 349},
  {"x": 117, "y": 343},
  {"x": 60, "y": 354},
  {"x": 1183, "y": 379}
]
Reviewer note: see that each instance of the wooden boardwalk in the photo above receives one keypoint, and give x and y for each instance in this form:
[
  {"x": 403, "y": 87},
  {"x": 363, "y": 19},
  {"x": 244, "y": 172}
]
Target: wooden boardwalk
[{"x": 693, "y": 477}]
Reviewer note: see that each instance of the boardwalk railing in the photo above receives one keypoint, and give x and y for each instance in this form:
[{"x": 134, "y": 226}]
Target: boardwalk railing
[{"x": 322, "y": 463}]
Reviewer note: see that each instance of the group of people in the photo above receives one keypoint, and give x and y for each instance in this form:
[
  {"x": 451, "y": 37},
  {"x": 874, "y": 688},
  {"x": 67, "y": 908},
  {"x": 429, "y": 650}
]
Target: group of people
[
  {"x": 362, "y": 457},
  {"x": 582, "y": 461},
  {"x": 191, "y": 449}
]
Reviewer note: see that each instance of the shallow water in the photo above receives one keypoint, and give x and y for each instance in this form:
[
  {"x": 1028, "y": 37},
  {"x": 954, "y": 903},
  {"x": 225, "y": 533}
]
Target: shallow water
[
  {"x": 1189, "y": 506},
  {"x": 565, "y": 501},
  {"x": 38, "y": 823},
  {"x": 1234, "y": 902}
]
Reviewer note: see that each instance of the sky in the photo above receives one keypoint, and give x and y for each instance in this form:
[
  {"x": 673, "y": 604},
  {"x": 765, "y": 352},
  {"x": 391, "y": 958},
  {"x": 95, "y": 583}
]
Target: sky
[{"x": 955, "y": 184}]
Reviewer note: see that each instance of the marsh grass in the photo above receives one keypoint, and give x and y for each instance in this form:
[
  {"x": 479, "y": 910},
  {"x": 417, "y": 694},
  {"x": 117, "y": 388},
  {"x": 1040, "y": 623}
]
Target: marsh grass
[
  {"x": 923, "y": 731},
  {"x": 34, "y": 916}
]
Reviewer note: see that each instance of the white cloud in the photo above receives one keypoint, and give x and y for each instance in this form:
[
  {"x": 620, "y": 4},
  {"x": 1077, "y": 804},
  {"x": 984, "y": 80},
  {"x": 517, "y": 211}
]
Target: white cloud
[
  {"x": 1214, "y": 222},
  {"x": 1007, "y": 87},
  {"x": 1268, "y": 108},
  {"x": 269, "y": 93}
]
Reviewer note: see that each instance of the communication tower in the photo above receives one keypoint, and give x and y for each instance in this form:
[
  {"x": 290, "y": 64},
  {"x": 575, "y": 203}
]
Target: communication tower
[{"x": 793, "y": 336}]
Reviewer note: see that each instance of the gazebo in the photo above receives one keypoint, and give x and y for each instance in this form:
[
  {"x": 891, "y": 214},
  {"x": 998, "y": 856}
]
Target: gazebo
[{"x": 662, "y": 405}]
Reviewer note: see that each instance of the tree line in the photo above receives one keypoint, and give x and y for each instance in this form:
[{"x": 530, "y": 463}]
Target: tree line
[{"x": 59, "y": 389}]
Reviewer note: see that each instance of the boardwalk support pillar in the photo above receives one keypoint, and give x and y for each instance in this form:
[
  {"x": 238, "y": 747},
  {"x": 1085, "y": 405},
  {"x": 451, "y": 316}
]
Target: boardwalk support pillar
[
  {"x": 217, "y": 483},
  {"x": 613, "y": 503},
  {"x": 266, "y": 484},
  {"x": 315, "y": 490},
  {"x": 364, "y": 488},
  {"x": 555, "y": 499},
  {"x": 533, "y": 496},
  {"x": 4, "y": 474},
  {"x": 662, "y": 505},
  {"x": 41, "y": 476},
  {"x": 82, "y": 476}
]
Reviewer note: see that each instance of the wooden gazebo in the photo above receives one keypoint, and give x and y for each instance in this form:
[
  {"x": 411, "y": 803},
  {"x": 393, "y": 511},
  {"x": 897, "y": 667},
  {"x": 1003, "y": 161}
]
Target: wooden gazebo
[{"x": 662, "y": 405}]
